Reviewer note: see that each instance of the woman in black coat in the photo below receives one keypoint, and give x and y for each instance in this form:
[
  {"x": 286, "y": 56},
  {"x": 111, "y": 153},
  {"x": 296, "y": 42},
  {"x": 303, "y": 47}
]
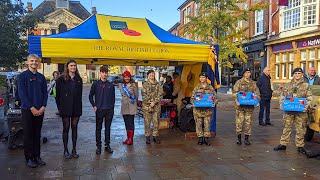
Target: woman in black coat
[{"x": 69, "y": 101}]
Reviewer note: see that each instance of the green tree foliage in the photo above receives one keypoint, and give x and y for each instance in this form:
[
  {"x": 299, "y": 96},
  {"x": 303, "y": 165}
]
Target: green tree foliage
[
  {"x": 217, "y": 21},
  {"x": 15, "y": 25}
]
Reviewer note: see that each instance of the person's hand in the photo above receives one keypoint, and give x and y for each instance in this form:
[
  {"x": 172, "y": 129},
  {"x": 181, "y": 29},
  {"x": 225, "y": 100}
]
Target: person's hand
[
  {"x": 280, "y": 107},
  {"x": 95, "y": 109},
  {"x": 163, "y": 94},
  {"x": 213, "y": 105},
  {"x": 17, "y": 103},
  {"x": 41, "y": 110},
  {"x": 257, "y": 105},
  {"x": 152, "y": 104},
  {"x": 305, "y": 109},
  {"x": 237, "y": 103},
  {"x": 34, "y": 111}
]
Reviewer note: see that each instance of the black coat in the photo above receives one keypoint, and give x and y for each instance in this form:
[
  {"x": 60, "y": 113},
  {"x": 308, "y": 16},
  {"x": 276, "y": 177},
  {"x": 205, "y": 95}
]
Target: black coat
[
  {"x": 69, "y": 96},
  {"x": 264, "y": 86},
  {"x": 315, "y": 82}
]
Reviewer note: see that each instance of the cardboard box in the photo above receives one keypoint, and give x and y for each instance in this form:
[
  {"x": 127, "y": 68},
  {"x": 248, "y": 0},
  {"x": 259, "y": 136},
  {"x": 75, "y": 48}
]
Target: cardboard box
[{"x": 164, "y": 123}]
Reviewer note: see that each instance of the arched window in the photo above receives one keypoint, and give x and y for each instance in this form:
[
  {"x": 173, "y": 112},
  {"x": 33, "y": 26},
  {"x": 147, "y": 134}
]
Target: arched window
[{"x": 62, "y": 28}]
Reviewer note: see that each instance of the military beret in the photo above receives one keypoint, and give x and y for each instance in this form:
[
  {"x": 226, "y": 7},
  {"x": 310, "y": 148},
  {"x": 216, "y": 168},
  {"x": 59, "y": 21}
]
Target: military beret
[
  {"x": 297, "y": 70},
  {"x": 245, "y": 70},
  {"x": 204, "y": 74},
  {"x": 150, "y": 71}
]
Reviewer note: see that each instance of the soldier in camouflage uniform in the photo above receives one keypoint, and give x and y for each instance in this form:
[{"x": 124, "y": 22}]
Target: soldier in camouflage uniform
[
  {"x": 203, "y": 115},
  {"x": 295, "y": 88},
  {"x": 244, "y": 113},
  {"x": 151, "y": 98}
]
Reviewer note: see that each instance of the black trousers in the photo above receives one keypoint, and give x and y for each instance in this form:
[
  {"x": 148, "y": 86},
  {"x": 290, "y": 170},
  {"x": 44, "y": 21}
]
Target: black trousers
[
  {"x": 31, "y": 134},
  {"x": 129, "y": 121},
  {"x": 102, "y": 114},
  {"x": 264, "y": 104}
]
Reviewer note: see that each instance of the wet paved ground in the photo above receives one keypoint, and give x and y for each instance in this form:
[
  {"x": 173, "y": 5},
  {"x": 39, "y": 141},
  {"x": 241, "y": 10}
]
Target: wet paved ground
[{"x": 176, "y": 157}]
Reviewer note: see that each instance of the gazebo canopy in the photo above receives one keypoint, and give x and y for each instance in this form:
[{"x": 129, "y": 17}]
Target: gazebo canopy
[{"x": 112, "y": 40}]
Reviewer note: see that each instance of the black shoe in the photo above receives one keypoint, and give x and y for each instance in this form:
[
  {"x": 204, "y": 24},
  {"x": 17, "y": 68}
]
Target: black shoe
[
  {"x": 147, "y": 139},
  {"x": 108, "y": 149},
  {"x": 98, "y": 151},
  {"x": 156, "y": 139},
  {"x": 39, "y": 161},
  {"x": 239, "y": 142},
  {"x": 262, "y": 124},
  {"x": 301, "y": 150},
  {"x": 280, "y": 147},
  {"x": 31, "y": 164},
  {"x": 74, "y": 154},
  {"x": 200, "y": 140},
  {"x": 268, "y": 123},
  {"x": 246, "y": 140},
  {"x": 67, "y": 155},
  {"x": 206, "y": 141}
]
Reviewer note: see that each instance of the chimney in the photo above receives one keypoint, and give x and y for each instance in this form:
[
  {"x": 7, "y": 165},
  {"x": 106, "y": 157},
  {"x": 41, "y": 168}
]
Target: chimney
[
  {"x": 29, "y": 6},
  {"x": 94, "y": 10}
]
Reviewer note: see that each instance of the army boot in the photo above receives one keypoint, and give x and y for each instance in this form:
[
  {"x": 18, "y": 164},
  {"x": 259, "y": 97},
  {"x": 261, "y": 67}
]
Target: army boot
[
  {"x": 98, "y": 151},
  {"x": 108, "y": 149},
  {"x": 239, "y": 142},
  {"x": 206, "y": 141},
  {"x": 200, "y": 141},
  {"x": 246, "y": 140},
  {"x": 280, "y": 147},
  {"x": 147, "y": 139}
]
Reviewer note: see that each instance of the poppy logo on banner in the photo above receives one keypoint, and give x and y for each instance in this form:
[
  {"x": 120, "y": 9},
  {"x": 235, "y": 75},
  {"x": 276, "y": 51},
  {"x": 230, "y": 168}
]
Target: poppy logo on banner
[{"x": 120, "y": 25}]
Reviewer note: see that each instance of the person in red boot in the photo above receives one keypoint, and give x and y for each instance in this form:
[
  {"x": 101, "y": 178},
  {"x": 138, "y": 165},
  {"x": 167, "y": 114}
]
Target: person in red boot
[{"x": 129, "y": 93}]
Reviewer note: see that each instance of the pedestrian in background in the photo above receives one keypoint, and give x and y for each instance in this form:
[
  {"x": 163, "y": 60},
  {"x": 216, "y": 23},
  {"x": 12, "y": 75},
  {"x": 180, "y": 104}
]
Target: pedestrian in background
[
  {"x": 299, "y": 89},
  {"x": 178, "y": 91},
  {"x": 168, "y": 88},
  {"x": 203, "y": 116},
  {"x": 244, "y": 113},
  {"x": 129, "y": 93},
  {"x": 32, "y": 89},
  {"x": 69, "y": 100},
  {"x": 312, "y": 78},
  {"x": 264, "y": 86},
  {"x": 52, "y": 86},
  {"x": 151, "y": 98},
  {"x": 103, "y": 92}
]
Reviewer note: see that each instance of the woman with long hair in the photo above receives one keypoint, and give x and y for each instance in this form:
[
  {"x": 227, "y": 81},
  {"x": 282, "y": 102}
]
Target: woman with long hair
[
  {"x": 129, "y": 93},
  {"x": 69, "y": 101}
]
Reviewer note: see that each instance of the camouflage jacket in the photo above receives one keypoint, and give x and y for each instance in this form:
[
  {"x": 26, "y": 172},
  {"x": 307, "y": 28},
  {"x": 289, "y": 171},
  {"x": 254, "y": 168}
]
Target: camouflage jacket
[
  {"x": 151, "y": 92},
  {"x": 298, "y": 89},
  {"x": 243, "y": 85},
  {"x": 203, "y": 112}
]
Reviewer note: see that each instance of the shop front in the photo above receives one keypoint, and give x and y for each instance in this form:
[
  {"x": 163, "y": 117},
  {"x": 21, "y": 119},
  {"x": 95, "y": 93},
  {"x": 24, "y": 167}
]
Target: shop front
[
  {"x": 299, "y": 51},
  {"x": 256, "y": 62}
]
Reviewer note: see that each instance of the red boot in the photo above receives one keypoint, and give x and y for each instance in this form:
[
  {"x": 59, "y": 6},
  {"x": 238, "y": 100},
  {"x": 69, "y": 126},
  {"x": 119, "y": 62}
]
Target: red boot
[
  {"x": 130, "y": 135},
  {"x": 126, "y": 141}
]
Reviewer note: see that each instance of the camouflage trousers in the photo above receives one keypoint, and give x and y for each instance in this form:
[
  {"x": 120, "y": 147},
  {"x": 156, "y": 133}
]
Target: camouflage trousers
[
  {"x": 154, "y": 117},
  {"x": 244, "y": 117},
  {"x": 179, "y": 104},
  {"x": 206, "y": 121},
  {"x": 300, "y": 122}
]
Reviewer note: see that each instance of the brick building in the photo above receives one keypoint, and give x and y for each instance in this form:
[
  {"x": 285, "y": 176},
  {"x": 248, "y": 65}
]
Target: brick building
[{"x": 294, "y": 39}]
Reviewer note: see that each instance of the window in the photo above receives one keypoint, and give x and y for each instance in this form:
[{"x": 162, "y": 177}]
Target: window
[
  {"x": 299, "y": 13},
  {"x": 303, "y": 55},
  {"x": 259, "y": 21},
  {"x": 196, "y": 9},
  {"x": 290, "y": 70},
  {"x": 277, "y": 57},
  {"x": 318, "y": 53},
  {"x": 318, "y": 66},
  {"x": 284, "y": 70},
  {"x": 291, "y": 56},
  {"x": 312, "y": 54},
  {"x": 284, "y": 57},
  {"x": 184, "y": 16},
  {"x": 303, "y": 66},
  {"x": 277, "y": 71},
  {"x": 310, "y": 64}
]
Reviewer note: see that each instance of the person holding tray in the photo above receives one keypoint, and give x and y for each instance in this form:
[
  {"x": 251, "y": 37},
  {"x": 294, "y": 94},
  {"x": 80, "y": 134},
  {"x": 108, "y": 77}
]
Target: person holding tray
[
  {"x": 244, "y": 112},
  {"x": 203, "y": 115},
  {"x": 296, "y": 88}
]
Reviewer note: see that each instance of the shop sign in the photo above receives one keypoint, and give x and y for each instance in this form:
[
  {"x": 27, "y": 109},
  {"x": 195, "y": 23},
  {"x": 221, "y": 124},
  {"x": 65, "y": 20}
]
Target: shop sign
[
  {"x": 313, "y": 41},
  {"x": 253, "y": 47},
  {"x": 281, "y": 47}
]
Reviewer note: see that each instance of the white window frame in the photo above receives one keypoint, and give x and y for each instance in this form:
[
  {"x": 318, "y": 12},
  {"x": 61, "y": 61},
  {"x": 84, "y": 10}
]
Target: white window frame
[
  {"x": 196, "y": 8},
  {"x": 284, "y": 70},
  {"x": 258, "y": 18},
  {"x": 290, "y": 70},
  {"x": 314, "y": 54},
  {"x": 318, "y": 54},
  {"x": 277, "y": 71},
  {"x": 277, "y": 58},
  {"x": 303, "y": 66},
  {"x": 291, "y": 56},
  {"x": 284, "y": 57},
  {"x": 303, "y": 55},
  {"x": 290, "y": 12},
  {"x": 318, "y": 70},
  {"x": 310, "y": 64}
]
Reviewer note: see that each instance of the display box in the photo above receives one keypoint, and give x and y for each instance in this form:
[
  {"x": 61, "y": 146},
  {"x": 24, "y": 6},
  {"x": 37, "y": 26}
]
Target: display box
[
  {"x": 294, "y": 104},
  {"x": 247, "y": 98},
  {"x": 203, "y": 100}
]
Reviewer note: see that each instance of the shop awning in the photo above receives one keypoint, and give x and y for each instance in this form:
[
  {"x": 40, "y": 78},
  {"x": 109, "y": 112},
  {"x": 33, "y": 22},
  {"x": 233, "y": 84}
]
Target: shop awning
[{"x": 103, "y": 39}]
